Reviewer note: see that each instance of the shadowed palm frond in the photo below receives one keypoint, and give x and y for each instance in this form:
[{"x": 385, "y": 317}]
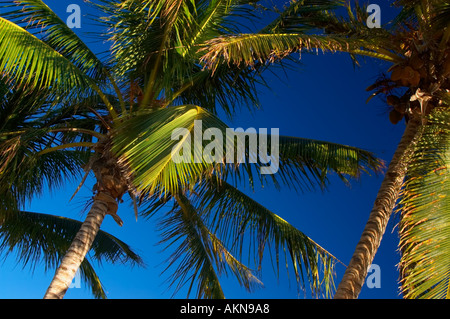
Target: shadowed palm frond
[
  {"x": 300, "y": 157},
  {"x": 41, "y": 238},
  {"x": 301, "y": 15},
  {"x": 200, "y": 256},
  {"x": 238, "y": 219}
]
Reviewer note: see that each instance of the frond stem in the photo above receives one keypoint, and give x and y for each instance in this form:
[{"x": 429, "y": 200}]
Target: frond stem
[{"x": 64, "y": 146}]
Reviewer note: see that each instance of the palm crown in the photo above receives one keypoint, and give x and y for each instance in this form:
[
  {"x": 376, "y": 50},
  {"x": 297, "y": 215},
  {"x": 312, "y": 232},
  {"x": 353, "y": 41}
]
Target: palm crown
[
  {"x": 416, "y": 44},
  {"x": 124, "y": 109}
]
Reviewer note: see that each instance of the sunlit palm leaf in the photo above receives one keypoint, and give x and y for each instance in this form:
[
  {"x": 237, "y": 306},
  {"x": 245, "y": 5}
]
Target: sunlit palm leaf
[
  {"x": 36, "y": 17},
  {"x": 28, "y": 60},
  {"x": 425, "y": 214},
  {"x": 146, "y": 143},
  {"x": 248, "y": 49}
]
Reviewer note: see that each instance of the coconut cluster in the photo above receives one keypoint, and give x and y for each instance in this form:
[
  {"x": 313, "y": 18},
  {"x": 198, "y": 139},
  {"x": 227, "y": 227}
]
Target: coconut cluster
[{"x": 423, "y": 73}]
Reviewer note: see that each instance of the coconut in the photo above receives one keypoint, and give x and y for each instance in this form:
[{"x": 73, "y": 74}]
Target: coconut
[
  {"x": 397, "y": 73},
  {"x": 415, "y": 62},
  {"x": 395, "y": 116},
  {"x": 392, "y": 100},
  {"x": 410, "y": 77}
]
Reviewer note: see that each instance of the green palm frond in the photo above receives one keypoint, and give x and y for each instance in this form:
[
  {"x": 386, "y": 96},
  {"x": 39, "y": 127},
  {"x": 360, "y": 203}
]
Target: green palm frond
[
  {"x": 41, "y": 238},
  {"x": 36, "y": 17},
  {"x": 237, "y": 218},
  {"x": 226, "y": 89},
  {"x": 210, "y": 18},
  {"x": 25, "y": 172},
  {"x": 441, "y": 17},
  {"x": 203, "y": 256},
  {"x": 89, "y": 276},
  {"x": 29, "y": 61},
  {"x": 300, "y": 158},
  {"x": 332, "y": 32},
  {"x": 29, "y": 124},
  {"x": 425, "y": 214},
  {"x": 146, "y": 144},
  {"x": 215, "y": 18}
]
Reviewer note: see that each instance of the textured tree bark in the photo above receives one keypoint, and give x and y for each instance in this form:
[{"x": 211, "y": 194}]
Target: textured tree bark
[
  {"x": 111, "y": 185},
  {"x": 77, "y": 251},
  {"x": 355, "y": 274}
]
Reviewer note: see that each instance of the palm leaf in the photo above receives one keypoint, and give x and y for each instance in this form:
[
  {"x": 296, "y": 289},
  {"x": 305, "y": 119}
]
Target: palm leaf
[
  {"x": 28, "y": 60},
  {"x": 295, "y": 16},
  {"x": 249, "y": 49},
  {"x": 201, "y": 252},
  {"x": 37, "y": 237},
  {"x": 425, "y": 214},
  {"x": 238, "y": 218},
  {"x": 25, "y": 173},
  {"x": 300, "y": 158},
  {"x": 193, "y": 253},
  {"x": 146, "y": 143},
  {"x": 36, "y": 17}
]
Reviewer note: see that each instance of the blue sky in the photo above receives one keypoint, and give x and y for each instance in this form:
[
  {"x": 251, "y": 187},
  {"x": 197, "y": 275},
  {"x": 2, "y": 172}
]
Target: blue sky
[{"x": 322, "y": 98}]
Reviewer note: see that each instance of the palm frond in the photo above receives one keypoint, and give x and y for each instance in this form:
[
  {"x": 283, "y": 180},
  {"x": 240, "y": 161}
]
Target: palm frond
[
  {"x": 25, "y": 172},
  {"x": 147, "y": 144},
  {"x": 28, "y": 60},
  {"x": 425, "y": 214},
  {"x": 300, "y": 158},
  {"x": 237, "y": 219},
  {"x": 89, "y": 276},
  {"x": 37, "y": 18},
  {"x": 249, "y": 49},
  {"x": 301, "y": 15},
  {"x": 41, "y": 238},
  {"x": 441, "y": 16},
  {"x": 195, "y": 254},
  {"x": 226, "y": 89}
]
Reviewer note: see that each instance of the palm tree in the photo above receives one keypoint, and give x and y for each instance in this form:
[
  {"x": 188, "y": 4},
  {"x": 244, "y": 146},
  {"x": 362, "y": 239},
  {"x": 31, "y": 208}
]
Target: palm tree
[
  {"x": 38, "y": 237},
  {"x": 416, "y": 47},
  {"x": 131, "y": 104}
]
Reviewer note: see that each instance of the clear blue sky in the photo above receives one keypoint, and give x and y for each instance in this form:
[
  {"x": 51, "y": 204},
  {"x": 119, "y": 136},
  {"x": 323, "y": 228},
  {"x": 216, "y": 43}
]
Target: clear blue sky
[{"x": 323, "y": 98}]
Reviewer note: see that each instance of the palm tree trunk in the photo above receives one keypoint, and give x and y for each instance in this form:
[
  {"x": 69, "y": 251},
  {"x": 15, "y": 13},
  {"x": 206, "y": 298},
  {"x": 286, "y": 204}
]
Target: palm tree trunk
[
  {"x": 355, "y": 274},
  {"x": 77, "y": 250}
]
